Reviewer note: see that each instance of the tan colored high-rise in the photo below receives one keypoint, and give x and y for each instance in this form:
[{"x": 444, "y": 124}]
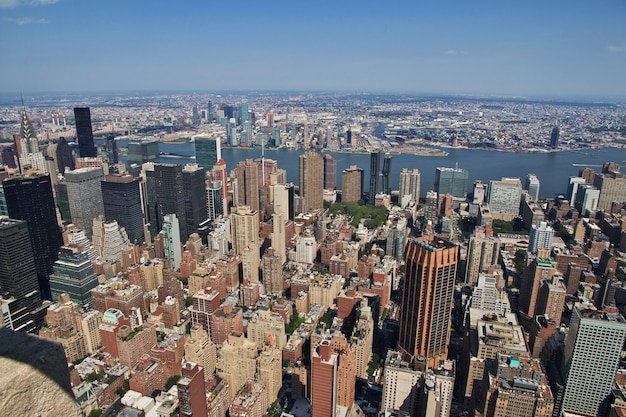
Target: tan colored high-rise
[
  {"x": 244, "y": 228},
  {"x": 427, "y": 300},
  {"x": 248, "y": 184},
  {"x": 351, "y": 184},
  {"x": 312, "y": 180}
]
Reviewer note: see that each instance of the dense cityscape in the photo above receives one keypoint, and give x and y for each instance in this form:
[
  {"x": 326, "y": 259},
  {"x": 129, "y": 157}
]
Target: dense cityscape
[{"x": 156, "y": 261}]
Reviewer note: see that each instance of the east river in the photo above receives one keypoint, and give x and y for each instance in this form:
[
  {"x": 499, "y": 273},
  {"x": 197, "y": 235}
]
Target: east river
[{"x": 552, "y": 168}]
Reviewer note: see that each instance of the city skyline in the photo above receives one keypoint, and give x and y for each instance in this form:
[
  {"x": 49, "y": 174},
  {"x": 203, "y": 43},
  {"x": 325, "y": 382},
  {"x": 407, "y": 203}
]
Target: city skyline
[{"x": 572, "y": 50}]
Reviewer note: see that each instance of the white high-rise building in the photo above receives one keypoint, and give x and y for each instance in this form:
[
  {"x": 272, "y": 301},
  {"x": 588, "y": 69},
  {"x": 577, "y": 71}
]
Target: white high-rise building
[
  {"x": 306, "y": 249},
  {"x": 592, "y": 351},
  {"x": 572, "y": 188},
  {"x": 400, "y": 389},
  {"x": 540, "y": 237},
  {"x": 171, "y": 240},
  {"x": 532, "y": 186},
  {"x": 409, "y": 185}
]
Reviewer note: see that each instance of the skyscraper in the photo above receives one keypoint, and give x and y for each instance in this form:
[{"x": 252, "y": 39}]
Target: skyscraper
[
  {"x": 386, "y": 183},
  {"x": 194, "y": 192},
  {"x": 324, "y": 363},
  {"x": 330, "y": 172},
  {"x": 166, "y": 196},
  {"x": 540, "y": 237},
  {"x": 65, "y": 158},
  {"x": 374, "y": 171},
  {"x": 532, "y": 185},
  {"x": 73, "y": 274},
  {"x": 554, "y": 137},
  {"x": 18, "y": 278},
  {"x": 592, "y": 351},
  {"x": 312, "y": 180},
  {"x": 142, "y": 152},
  {"x": 244, "y": 228},
  {"x": 409, "y": 185},
  {"x": 351, "y": 184},
  {"x": 171, "y": 240},
  {"x": 215, "y": 200},
  {"x": 84, "y": 193},
  {"x": 427, "y": 298},
  {"x": 191, "y": 393},
  {"x": 451, "y": 181},
  {"x": 122, "y": 202},
  {"x": 208, "y": 152},
  {"x": 84, "y": 132},
  {"x": 29, "y": 198},
  {"x": 248, "y": 184}
]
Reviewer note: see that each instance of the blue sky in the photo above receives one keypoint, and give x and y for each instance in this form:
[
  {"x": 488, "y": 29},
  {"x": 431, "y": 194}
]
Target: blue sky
[{"x": 526, "y": 48}]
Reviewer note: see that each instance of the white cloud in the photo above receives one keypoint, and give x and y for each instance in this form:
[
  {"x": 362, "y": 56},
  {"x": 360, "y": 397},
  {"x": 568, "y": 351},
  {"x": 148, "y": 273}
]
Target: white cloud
[
  {"x": 617, "y": 48},
  {"x": 25, "y": 20},
  {"x": 9, "y": 4},
  {"x": 454, "y": 52}
]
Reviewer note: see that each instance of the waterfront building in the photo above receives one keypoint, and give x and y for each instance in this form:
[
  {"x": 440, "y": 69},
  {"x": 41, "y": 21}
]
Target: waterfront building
[
  {"x": 431, "y": 265},
  {"x": 143, "y": 152},
  {"x": 504, "y": 197},
  {"x": 311, "y": 167},
  {"x": 612, "y": 186},
  {"x": 330, "y": 172},
  {"x": 554, "y": 137},
  {"x": 451, "y": 181},
  {"x": 532, "y": 184},
  {"x": 84, "y": 132},
  {"x": 386, "y": 171},
  {"x": 352, "y": 184},
  {"x": 374, "y": 174},
  {"x": 208, "y": 151}
]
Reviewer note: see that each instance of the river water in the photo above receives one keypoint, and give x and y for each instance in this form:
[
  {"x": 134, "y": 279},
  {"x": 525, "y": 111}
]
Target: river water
[{"x": 552, "y": 168}]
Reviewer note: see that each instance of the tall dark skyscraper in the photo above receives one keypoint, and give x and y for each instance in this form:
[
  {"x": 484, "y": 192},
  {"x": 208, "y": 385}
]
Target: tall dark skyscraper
[
  {"x": 122, "y": 202},
  {"x": 18, "y": 277},
  {"x": 386, "y": 186},
  {"x": 427, "y": 299},
  {"x": 554, "y": 137},
  {"x": 84, "y": 133},
  {"x": 110, "y": 147},
  {"x": 374, "y": 171},
  {"x": 165, "y": 195},
  {"x": 195, "y": 194},
  {"x": 29, "y": 198},
  {"x": 65, "y": 158}
]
